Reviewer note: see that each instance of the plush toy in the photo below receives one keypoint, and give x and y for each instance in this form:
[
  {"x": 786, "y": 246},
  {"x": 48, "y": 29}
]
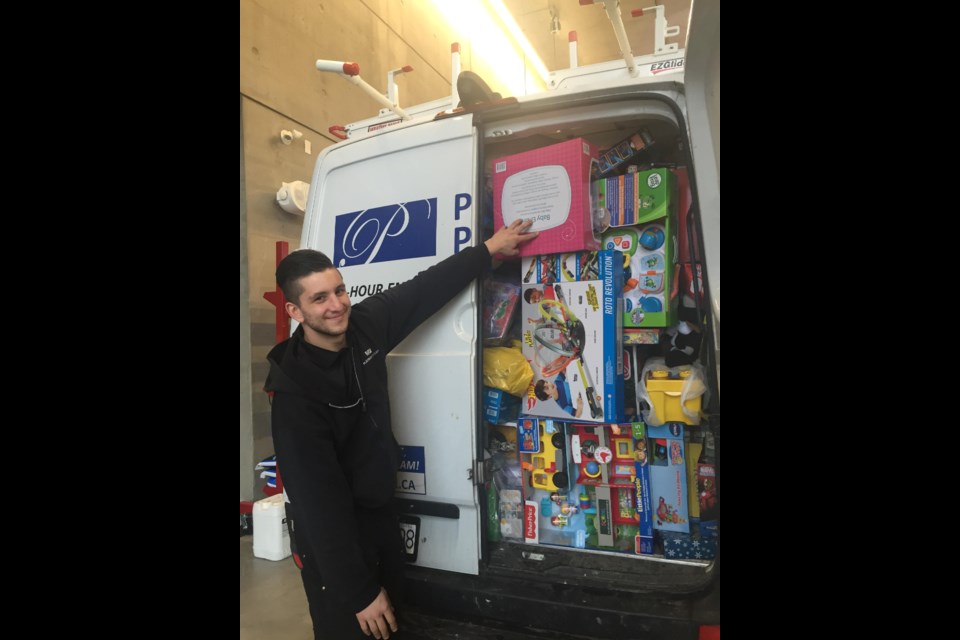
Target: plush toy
[{"x": 683, "y": 344}]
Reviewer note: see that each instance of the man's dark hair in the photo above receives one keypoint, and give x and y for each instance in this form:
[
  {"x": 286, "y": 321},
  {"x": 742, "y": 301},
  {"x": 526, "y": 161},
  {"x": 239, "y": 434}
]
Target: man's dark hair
[
  {"x": 539, "y": 391},
  {"x": 528, "y": 293},
  {"x": 296, "y": 265}
]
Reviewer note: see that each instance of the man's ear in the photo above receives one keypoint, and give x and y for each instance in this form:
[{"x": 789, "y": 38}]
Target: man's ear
[{"x": 294, "y": 312}]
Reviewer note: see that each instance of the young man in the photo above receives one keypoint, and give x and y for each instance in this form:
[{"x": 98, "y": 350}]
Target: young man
[{"x": 331, "y": 428}]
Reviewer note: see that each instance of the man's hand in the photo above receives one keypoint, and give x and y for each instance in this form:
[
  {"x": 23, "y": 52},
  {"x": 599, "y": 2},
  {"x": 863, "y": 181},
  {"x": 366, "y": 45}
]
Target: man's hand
[
  {"x": 506, "y": 241},
  {"x": 378, "y": 619}
]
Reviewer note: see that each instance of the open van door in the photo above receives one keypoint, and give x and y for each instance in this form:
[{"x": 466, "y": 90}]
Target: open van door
[
  {"x": 702, "y": 82},
  {"x": 385, "y": 208}
]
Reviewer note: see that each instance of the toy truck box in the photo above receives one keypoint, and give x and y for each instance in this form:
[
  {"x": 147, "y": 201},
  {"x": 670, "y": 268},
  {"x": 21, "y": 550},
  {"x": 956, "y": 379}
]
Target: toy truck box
[{"x": 431, "y": 165}]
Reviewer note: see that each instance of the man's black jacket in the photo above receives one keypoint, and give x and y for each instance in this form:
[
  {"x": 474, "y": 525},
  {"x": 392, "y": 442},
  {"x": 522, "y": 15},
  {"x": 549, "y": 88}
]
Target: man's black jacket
[{"x": 336, "y": 452}]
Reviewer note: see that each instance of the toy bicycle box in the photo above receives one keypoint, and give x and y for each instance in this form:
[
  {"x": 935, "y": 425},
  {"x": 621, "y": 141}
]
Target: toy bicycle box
[{"x": 571, "y": 322}]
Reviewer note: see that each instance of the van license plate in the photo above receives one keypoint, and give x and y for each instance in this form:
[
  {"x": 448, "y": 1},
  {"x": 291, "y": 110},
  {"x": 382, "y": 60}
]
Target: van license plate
[{"x": 410, "y": 534}]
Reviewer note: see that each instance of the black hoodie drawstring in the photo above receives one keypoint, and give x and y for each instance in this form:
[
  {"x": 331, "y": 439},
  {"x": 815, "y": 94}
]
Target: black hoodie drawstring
[{"x": 356, "y": 377}]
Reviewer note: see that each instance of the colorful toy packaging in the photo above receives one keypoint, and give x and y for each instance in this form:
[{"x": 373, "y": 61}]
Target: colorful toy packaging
[
  {"x": 552, "y": 186},
  {"x": 572, "y": 335},
  {"x": 499, "y": 406},
  {"x": 668, "y": 478},
  {"x": 499, "y": 303},
  {"x": 611, "y": 459},
  {"x": 648, "y": 244}
]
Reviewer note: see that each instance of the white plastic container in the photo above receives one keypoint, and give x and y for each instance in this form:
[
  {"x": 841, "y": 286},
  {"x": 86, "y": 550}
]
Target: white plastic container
[{"x": 271, "y": 540}]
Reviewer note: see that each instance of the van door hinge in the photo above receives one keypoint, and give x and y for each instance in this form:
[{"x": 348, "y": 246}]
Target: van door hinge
[{"x": 482, "y": 471}]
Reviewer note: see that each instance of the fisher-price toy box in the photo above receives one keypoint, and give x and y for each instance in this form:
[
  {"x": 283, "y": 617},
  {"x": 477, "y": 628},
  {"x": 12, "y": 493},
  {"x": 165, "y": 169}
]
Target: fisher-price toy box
[
  {"x": 650, "y": 249},
  {"x": 611, "y": 461},
  {"x": 550, "y": 185},
  {"x": 587, "y": 517},
  {"x": 571, "y": 318}
]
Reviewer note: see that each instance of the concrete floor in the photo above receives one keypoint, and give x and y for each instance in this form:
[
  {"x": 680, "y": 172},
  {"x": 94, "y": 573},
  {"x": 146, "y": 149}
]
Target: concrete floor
[{"x": 273, "y": 606}]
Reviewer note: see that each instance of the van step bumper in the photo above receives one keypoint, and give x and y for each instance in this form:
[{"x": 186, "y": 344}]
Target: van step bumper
[{"x": 588, "y": 612}]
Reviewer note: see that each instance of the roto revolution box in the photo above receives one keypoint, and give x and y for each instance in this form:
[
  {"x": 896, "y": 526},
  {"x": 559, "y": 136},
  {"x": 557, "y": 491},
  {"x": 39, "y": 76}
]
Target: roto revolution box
[
  {"x": 550, "y": 185},
  {"x": 571, "y": 319}
]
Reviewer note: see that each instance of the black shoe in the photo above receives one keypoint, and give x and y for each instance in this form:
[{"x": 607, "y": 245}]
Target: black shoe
[{"x": 473, "y": 90}]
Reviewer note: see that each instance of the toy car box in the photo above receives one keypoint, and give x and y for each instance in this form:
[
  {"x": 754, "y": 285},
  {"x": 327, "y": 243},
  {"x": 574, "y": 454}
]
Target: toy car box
[
  {"x": 499, "y": 304},
  {"x": 572, "y": 335}
]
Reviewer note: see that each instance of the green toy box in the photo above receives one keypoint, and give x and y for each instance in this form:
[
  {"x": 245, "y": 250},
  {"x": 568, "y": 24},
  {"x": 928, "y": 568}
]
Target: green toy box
[{"x": 649, "y": 247}]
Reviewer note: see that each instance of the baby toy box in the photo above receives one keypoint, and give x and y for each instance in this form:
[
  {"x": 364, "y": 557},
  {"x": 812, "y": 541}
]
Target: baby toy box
[
  {"x": 550, "y": 185},
  {"x": 649, "y": 245},
  {"x": 572, "y": 335}
]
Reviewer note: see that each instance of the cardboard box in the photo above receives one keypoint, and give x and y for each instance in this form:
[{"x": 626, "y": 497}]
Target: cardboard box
[
  {"x": 668, "y": 477},
  {"x": 650, "y": 245},
  {"x": 499, "y": 304},
  {"x": 511, "y": 514},
  {"x": 499, "y": 406},
  {"x": 689, "y": 546},
  {"x": 555, "y": 518},
  {"x": 543, "y": 455},
  {"x": 610, "y": 461},
  {"x": 572, "y": 335},
  {"x": 552, "y": 186}
]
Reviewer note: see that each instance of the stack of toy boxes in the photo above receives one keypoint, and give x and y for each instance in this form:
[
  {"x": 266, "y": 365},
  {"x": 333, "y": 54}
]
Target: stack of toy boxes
[
  {"x": 668, "y": 478},
  {"x": 609, "y": 466},
  {"x": 550, "y": 185},
  {"x": 572, "y": 335},
  {"x": 648, "y": 239}
]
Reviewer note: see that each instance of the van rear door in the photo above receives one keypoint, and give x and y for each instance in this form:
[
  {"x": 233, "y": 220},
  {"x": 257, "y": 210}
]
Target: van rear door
[
  {"x": 415, "y": 189},
  {"x": 702, "y": 80}
]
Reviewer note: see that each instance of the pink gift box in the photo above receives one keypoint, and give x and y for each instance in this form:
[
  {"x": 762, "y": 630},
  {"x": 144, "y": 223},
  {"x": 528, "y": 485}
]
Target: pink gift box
[{"x": 552, "y": 186}]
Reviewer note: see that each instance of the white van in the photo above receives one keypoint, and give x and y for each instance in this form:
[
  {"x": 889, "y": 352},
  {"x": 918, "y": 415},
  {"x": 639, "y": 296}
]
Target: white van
[{"x": 438, "y": 161}]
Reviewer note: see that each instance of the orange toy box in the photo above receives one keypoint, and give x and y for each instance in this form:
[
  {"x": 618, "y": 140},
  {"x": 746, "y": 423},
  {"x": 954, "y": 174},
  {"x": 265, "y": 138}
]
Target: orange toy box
[{"x": 552, "y": 186}]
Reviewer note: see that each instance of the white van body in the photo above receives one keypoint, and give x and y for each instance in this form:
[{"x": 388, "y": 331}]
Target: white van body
[{"x": 420, "y": 183}]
